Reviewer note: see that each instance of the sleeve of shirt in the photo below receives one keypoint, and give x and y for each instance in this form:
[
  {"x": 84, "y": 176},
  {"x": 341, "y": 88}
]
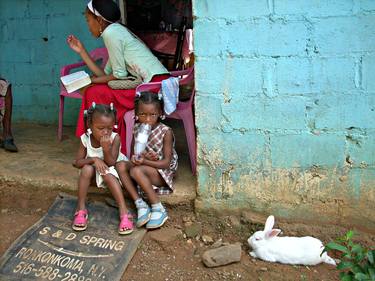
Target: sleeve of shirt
[
  {"x": 116, "y": 58},
  {"x": 108, "y": 68},
  {"x": 84, "y": 140}
]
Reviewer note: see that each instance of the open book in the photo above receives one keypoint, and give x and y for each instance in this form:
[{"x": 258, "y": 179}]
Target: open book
[{"x": 75, "y": 81}]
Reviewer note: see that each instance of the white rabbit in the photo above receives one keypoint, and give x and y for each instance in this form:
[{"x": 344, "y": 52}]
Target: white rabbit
[{"x": 290, "y": 250}]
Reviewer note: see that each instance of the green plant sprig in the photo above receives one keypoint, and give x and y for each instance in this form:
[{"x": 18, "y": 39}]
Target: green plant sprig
[{"x": 357, "y": 262}]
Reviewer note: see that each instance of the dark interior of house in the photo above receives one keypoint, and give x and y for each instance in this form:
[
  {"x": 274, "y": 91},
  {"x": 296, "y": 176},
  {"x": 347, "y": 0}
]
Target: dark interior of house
[{"x": 165, "y": 26}]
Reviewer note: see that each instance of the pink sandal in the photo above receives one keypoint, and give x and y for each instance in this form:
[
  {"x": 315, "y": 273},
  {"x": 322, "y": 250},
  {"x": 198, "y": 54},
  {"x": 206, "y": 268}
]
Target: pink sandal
[
  {"x": 80, "y": 220},
  {"x": 126, "y": 224}
]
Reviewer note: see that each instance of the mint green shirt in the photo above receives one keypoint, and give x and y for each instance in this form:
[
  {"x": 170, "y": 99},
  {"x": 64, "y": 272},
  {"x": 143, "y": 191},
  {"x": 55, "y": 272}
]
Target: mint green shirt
[{"x": 126, "y": 49}]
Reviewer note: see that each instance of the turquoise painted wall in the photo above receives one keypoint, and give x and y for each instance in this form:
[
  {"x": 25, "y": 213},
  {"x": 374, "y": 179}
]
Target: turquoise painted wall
[
  {"x": 285, "y": 107},
  {"x": 32, "y": 51}
]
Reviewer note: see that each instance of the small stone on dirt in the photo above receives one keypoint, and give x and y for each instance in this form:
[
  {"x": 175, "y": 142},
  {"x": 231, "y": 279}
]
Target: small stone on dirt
[
  {"x": 207, "y": 239},
  {"x": 188, "y": 223},
  {"x": 218, "y": 243},
  {"x": 234, "y": 221},
  {"x": 263, "y": 268},
  {"x": 4, "y": 211},
  {"x": 222, "y": 255},
  {"x": 186, "y": 219},
  {"x": 165, "y": 234},
  {"x": 193, "y": 230}
]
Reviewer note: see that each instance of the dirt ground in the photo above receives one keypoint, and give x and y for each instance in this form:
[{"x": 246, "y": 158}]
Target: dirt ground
[{"x": 179, "y": 259}]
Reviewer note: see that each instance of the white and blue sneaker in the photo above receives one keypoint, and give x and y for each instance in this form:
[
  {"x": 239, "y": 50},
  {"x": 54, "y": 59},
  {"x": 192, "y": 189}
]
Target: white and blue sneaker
[
  {"x": 144, "y": 212},
  {"x": 158, "y": 217}
]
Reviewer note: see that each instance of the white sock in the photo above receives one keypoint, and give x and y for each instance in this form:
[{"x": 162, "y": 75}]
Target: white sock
[
  {"x": 140, "y": 203},
  {"x": 157, "y": 206}
]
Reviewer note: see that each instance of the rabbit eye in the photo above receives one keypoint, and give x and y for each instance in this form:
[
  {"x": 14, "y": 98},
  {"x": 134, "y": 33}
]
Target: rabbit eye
[{"x": 257, "y": 238}]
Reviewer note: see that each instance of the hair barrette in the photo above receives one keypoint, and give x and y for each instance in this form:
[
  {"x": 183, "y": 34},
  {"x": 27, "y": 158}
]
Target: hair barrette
[
  {"x": 115, "y": 126},
  {"x": 160, "y": 96},
  {"x": 137, "y": 94},
  {"x": 111, "y": 106},
  {"x": 93, "y": 105},
  {"x": 85, "y": 112}
]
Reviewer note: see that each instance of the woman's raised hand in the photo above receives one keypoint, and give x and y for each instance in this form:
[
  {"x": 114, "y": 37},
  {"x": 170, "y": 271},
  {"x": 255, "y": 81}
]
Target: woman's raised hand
[{"x": 75, "y": 44}]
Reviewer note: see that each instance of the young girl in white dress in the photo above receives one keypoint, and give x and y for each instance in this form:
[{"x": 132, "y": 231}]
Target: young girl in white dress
[{"x": 97, "y": 155}]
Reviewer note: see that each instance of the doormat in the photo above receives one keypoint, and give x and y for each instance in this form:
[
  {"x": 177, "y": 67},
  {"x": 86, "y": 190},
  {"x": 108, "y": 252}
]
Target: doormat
[{"x": 51, "y": 250}]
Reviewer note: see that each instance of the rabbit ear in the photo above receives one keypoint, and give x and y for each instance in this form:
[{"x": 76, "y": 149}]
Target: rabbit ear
[
  {"x": 269, "y": 223},
  {"x": 273, "y": 233}
]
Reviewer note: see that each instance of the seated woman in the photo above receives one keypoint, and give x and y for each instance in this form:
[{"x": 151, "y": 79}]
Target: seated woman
[
  {"x": 6, "y": 115},
  {"x": 125, "y": 50}
]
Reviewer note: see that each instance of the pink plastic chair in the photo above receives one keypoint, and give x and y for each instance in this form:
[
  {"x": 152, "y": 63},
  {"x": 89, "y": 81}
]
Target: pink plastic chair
[
  {"x": 97, "y": 54},
  {"x": 184, "y": 112}
]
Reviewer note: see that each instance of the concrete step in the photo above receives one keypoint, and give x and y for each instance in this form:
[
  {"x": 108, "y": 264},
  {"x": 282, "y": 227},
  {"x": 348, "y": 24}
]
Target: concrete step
[{"x": 43, "y": 161}]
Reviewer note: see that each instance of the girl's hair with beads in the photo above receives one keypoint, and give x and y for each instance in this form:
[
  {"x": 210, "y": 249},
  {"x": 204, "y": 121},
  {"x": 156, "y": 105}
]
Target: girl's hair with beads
[
  {"x": 99, "y": 109},
  {"x": 148, "y": 98}
]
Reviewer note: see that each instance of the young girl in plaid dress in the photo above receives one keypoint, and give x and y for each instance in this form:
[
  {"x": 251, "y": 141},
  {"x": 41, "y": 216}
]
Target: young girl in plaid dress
[{"x": 156, "y": 166}]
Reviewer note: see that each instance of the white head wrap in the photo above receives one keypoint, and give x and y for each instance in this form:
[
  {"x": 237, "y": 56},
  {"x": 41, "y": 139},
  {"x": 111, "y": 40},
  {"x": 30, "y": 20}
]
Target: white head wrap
[{"x": 95, "y": 12}]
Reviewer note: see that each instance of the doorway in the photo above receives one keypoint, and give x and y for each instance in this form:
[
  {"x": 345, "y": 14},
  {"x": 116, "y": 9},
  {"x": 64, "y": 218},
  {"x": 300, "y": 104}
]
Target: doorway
[{"x": 165, "y": 26}]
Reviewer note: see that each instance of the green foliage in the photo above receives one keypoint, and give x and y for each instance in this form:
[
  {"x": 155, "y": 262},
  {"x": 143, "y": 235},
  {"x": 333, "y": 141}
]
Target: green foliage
[{"x": 357, "y": 263}]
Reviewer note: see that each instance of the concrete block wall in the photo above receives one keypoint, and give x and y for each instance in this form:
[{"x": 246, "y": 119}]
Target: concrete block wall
[
  {"x": 33, "y": 49},
  {"x": 285, "y": 107}
]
